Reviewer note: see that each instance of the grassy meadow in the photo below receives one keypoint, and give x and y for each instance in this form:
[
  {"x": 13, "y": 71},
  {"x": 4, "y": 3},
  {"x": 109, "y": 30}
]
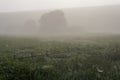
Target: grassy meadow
[{"x": 72, "y": 58}]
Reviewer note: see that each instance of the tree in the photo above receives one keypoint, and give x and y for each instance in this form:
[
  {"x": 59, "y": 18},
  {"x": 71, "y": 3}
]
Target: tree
[{"x": 53, "y": 22}]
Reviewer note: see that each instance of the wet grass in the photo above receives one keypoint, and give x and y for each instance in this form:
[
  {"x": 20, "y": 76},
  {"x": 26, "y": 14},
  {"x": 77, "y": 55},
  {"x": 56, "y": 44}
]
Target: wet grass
[{"x": 86, "y": 58}]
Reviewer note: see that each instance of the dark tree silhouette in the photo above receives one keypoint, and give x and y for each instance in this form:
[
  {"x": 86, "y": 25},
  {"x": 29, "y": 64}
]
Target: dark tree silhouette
[{"x": 54, "y": 21}]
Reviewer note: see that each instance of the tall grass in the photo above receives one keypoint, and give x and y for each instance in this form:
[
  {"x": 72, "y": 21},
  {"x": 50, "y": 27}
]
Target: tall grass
[{"x": 84, "y": 59}]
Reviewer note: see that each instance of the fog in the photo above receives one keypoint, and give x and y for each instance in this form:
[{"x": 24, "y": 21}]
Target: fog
[
  {"x": 65, "y": 21},
  {"x": 26, "y": 5}
]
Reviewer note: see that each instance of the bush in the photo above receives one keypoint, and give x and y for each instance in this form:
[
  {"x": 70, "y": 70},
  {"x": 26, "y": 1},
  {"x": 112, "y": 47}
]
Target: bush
[{"x": 14, "y": 71}]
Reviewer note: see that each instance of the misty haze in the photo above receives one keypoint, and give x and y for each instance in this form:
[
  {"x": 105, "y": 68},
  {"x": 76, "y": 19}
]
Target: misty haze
[
  {"x": 59, "y": 40},
  {"x": 70, "y": 21}
]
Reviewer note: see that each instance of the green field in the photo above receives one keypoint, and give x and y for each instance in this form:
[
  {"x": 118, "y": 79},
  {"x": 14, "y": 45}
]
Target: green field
[{"x": 71, "y": 58}]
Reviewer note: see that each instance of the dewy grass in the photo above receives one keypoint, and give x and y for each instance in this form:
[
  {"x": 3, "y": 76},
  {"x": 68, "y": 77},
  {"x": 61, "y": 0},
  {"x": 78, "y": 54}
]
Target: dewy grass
[{"x": 69, "y": 59}]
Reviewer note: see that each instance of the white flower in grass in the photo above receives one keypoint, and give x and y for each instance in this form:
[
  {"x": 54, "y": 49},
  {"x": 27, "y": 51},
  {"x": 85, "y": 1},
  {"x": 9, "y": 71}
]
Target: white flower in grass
[
  {"x": 99, "y": 70},
  {"x": 6, "y": 45},
  {"x": 115, "y": 67}
]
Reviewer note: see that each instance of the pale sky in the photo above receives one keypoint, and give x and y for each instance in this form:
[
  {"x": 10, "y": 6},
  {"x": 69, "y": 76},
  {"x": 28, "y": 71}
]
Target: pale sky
[{"x": 22, "y": 5}]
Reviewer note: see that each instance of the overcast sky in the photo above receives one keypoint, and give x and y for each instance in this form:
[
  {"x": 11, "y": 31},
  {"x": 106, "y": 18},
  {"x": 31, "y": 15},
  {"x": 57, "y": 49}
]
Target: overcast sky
[{"x": 22, "y": 5}]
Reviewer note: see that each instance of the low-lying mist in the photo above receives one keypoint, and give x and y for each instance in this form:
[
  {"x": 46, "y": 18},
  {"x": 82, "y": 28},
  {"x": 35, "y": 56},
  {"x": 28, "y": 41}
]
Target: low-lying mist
[{"x": 84, "y": 21}]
